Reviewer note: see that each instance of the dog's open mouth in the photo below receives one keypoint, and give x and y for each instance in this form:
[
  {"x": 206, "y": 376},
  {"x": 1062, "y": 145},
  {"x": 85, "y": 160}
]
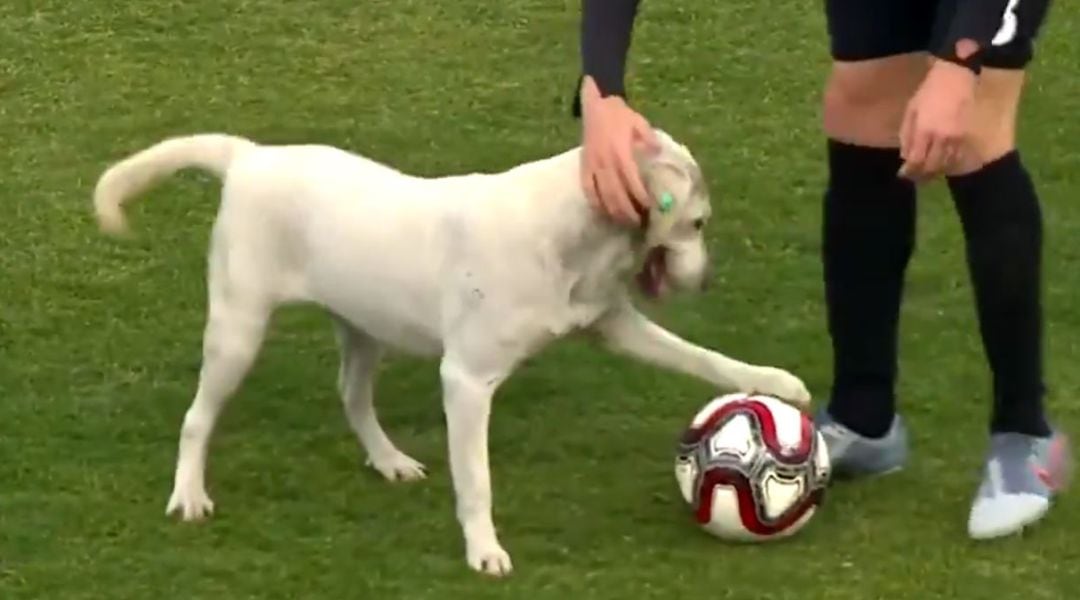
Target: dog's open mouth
[{"x": 653, "y": 275}]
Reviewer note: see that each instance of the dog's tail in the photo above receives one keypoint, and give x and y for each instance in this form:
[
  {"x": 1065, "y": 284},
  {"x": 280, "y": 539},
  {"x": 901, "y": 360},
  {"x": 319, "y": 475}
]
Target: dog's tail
[{"x": 212, "y": 152}]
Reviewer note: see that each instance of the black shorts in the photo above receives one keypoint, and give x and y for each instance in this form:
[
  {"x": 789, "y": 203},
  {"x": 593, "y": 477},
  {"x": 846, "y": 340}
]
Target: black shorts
[{"x": 866, "y": 29}]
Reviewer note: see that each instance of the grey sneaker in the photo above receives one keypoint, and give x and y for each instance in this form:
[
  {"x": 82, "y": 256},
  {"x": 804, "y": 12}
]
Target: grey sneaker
[
  {"x": 1021, "y": 477},
  {"x": 854, "y": 455}
]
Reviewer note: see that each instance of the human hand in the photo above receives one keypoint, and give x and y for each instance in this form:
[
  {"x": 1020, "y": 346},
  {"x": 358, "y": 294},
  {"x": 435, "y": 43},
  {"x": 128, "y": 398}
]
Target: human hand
[
  {"x": 934, "y": 132},
  {"x": 611, "y": 132}
]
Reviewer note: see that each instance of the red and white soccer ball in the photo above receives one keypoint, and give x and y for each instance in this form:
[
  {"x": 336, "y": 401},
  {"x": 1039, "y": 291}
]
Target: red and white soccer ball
[{"x": 752, "y": 468}]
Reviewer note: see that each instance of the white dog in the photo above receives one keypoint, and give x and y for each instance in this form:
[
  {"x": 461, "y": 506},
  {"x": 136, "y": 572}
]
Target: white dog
[{"x": 480, "y": 270}]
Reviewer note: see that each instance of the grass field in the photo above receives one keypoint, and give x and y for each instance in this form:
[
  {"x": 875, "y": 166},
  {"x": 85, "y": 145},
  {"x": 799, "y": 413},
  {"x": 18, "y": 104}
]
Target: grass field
[{"x": 100, "y": 340}]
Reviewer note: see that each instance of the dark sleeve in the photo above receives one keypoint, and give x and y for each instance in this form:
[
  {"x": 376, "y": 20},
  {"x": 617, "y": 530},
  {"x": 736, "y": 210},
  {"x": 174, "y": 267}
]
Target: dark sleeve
[
  {"x": 977, "y": 20},
  {"x": 606, "y": 28}
]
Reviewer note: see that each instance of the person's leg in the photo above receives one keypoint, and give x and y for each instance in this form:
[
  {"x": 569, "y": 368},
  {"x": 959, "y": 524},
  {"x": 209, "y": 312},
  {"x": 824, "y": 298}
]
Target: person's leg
[
  {"x": 999, "y": 208},
  {"x": 1002, "y": 223},
  {"x": 868, "y": 235},
  {"x": 868, "y": 222}
]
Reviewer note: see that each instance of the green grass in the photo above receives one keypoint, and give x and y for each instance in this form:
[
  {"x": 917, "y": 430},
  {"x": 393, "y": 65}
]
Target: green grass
[{"x": 99, "y": 340}]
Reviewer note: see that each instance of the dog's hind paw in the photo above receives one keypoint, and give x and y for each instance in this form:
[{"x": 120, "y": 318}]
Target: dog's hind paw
[
  {"x": 398, "y": 467},
  {"x": 190, "y": 504}
]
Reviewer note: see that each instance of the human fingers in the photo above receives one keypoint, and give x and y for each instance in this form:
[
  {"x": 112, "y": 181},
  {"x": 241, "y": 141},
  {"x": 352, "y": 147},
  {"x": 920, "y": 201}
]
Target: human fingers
[
  {"x": 936, "y": 157},
  {"x": 644, "y": 134},
  {"x": 630, "y": 175},
  {"x": 588, "y": 182},
  {"x": 614, "y": 196},
  {"x": 915, "y": 160}
]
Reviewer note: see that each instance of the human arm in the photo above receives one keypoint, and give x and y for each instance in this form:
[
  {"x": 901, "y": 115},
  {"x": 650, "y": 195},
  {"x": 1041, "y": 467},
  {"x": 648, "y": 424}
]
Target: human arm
[
  {"x": 611, "y": 130},
  {"x": 975, "y": 26},
  {"x": 606, "y": 30},
  {"x": 936, "y": 123}
]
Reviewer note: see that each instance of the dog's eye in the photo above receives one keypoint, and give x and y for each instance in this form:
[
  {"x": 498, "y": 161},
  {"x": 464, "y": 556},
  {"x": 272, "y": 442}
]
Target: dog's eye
[{"x": 699, "y": 223}]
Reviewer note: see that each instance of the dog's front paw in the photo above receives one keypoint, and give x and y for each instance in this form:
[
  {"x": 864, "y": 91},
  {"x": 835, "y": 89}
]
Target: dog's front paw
[
  {"x": 781, "y": 384},
  {"x": 489, "y": 558},
  {"x": 398, "y": 466},
  {"x": 191, "y": 502}
]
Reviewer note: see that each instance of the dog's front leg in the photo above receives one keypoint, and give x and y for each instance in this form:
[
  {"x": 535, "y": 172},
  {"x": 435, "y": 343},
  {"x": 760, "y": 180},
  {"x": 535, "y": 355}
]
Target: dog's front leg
[
  {"x": 467, "y": 396},
  {"x": 628, "y": 331}
]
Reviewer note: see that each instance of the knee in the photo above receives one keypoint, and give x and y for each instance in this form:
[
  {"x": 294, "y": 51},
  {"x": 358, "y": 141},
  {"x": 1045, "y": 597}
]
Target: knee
[
  {"x": 464, "y": 382},
  {"x": 233, "y": 336},
  {"x": 228, "y": 349},
  {"x": 988, "y": 141},
  {"x": 864, "y": 102},
  {"x": 198, "y": 421},
  {"x": 993, "y": 123}
]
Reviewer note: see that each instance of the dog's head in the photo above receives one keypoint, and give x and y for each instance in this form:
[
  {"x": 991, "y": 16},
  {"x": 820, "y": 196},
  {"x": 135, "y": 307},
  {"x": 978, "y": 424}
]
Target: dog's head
[{"x": 674, "y": 251}]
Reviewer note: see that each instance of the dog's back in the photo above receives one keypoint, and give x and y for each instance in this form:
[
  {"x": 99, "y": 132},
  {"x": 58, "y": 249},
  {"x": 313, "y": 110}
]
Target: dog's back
[{"x": 376, "y": 246}]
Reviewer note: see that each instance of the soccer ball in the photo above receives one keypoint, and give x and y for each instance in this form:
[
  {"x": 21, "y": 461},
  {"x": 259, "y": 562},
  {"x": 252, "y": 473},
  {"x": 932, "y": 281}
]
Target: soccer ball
[{"x": 752, "y": 468}]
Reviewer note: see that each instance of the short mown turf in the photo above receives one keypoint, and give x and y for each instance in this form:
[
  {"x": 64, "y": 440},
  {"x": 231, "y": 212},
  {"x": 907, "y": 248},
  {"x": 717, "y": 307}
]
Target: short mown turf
[{"x": 100, "y": 339}]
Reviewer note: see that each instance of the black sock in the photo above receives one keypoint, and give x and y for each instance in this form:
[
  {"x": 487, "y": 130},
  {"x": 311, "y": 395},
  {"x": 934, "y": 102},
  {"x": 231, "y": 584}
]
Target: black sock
[
  {"x": 1002, "y": 223},
  {"x": 869, "y": 236}
]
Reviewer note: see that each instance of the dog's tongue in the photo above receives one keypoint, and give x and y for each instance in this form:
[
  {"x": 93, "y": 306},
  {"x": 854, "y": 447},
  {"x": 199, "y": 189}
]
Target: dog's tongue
[{"x": 653, "y": 272}]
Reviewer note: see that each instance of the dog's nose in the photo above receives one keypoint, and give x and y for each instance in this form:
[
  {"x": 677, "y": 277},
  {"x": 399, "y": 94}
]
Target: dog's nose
[{"x": 706, "y": 279}]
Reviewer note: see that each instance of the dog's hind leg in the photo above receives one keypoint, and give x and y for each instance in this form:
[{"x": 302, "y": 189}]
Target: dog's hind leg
[
  {"x": 238, "y": 313},
  {"x": 360, "y": 356}
]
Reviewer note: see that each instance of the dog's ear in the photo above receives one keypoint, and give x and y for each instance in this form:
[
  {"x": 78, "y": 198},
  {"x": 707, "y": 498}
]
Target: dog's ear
[
  {"x": 669, "y": 167},
  {"x": 669, "y": 175},
  {"x": 669, "y": 188}
]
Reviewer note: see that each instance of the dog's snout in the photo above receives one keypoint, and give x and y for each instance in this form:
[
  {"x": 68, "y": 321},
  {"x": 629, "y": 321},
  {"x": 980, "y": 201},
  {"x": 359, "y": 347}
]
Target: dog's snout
[{"x": 706, "y": 279}]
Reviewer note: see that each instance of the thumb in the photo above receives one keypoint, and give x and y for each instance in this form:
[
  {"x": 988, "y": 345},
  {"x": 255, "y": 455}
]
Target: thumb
[{"x": 646, "y": 135}]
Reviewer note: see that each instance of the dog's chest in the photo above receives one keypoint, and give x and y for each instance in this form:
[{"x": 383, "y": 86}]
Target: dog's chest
[
  {"x": 585, "y": 299},
  {"x": 589, "y": 285}
]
